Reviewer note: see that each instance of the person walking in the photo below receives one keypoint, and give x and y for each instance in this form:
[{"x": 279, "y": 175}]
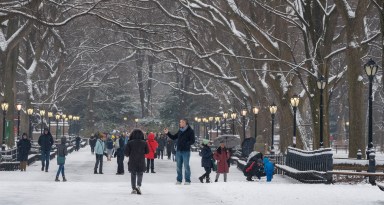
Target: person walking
[
  {"x": 45, "y": 141},
  {"x": 119, "y": 147},
  {"x": 136, "y": 149},
  {"x": 221, "y": 155},
  {"x": 152, "y": 145},
  {"x": 185, "y": 138},
  {"x": 109, "y": 146},
  {"x": 206, "y": 161},
  {"x": 162, "y": 142},
  {"x": 78, "y": 140},
  {"x": 92, "y": 143},
  {"x": 61, "y": 153},
  {"x": 23, "y": 146},
  {"x": 169, "y": 148},
  {"x": 99, "y": 151}
]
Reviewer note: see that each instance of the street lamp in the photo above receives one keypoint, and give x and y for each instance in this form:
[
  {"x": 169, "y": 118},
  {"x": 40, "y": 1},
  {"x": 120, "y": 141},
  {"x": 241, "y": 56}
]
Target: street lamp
[
  {"x": 255, "y": 111},
  {"x": 42, "y": 113},
  {"x": 30, "y": 113},
  {"x": 198, "y": 125},
  {"x": 210, "y": 123},
  {"x": 273, "y": 109},
  {"x": 244, "y": 113},
  {"x": 205, "y": 120},
  {"x": 370, "y": 69},
  {"x": 4, "y": 108},
  {"x": 70, "y": 117},
  {"x": 225, "y": 116},
  {"x": 57, "y": 116},
  {"x": 295, "y": 103},
  {"x": 18, "y": 108},
  {"x": 233, "y": 116},
  {"x": 136, "y": 120},
  {"x": 217, "y": 119},
  {"x": 63, "y": 116},
  {"x": 50, "y": 114},
  {"x": 321, "y": 83}
]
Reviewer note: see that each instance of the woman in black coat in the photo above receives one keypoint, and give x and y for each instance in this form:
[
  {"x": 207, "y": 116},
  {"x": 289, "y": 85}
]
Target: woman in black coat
[
  {"x": 135, "y": 149},
  {"x": 23, "y": 146}
]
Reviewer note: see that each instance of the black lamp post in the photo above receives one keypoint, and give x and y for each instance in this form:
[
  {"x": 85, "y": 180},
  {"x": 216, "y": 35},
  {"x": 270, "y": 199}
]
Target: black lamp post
[
  {"x": 370, "y": 69},
  {"x": 70, "y": 118},
  {"x": 18, "y": 108},
  {"x": 57, "y": 116},
  {"x": 225, "y": 116},
  {"x": 243, "y": 114},
  {"x": 4, "y": 107},
  {"x": 198, "y": 120},
  {"x": 273, "y": 109},
  {"x": 217, "y": 120},
  {"x": 63, "y": 117},
  {"x": 255, "y": 111},
  {"x": 321, "y": 83},
  {"x": 50, "y": 114},
  {"x": 210, "y": 126},
  {"x": 136, "y": 120},
  {"x": 42, "y": 113},
  {"x": 205, "y": 120},
  {"x": 295, "y": 103},
  {"x": 30, "y": 113},
  {"x": 233, "y": 116}
]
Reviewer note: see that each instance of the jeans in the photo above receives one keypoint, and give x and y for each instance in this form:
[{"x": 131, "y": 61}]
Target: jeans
[
  {"x": 99, "y": 159},
  {"x": 182, "y": 157},
  {"x": 120, "y": 164},
  {"x": 160, "y": 154},
  {"x": 45, "y": 157},
  {"x": 139, "y": 176},
  {"x": 61, "y": 169}
]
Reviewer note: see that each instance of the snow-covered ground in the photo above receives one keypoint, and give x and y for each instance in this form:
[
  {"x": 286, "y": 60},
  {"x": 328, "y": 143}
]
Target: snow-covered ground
[{"x": 83, "y": 187}]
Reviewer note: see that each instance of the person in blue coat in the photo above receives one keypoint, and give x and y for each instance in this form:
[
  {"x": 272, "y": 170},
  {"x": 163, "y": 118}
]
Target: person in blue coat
[
  {"x": 206, "y": 161},
  {"x": 268, "y": 169}
]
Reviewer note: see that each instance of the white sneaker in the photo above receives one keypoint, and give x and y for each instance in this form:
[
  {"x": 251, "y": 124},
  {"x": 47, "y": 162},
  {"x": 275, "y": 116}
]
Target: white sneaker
[
  {"x": 178, "y": 183},
  {"x": 187, "y": 183},
  {"x": 133, "y": 191}
]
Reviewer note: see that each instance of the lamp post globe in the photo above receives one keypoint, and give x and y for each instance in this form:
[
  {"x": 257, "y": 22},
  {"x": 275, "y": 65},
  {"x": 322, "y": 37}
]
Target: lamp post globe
[
  {"x": 272, "y": 110},
  {"x": 295, "y": 100},
  {"x": 18, "y": 108},
  {"x": 255, "y": 111},
  {"x": 4, "y": 108}
]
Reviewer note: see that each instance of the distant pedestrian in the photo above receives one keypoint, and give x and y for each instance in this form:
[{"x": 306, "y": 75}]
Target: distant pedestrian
[
  {"x": 92, "y": 143},
  {"x": 45, "y": 141},
  {"x": 119, "y": 147},
  {"x": 61, "y": 153},
  {"x": 169, "y": 148},
  {"x": 206, "y": 161},
  {"x": 221, "y": 155},
  {"x": 152, "y": 146},
  {"x": 109, "y": 146},
  {"x": 162, "y": 141},
  {"x": 99, "y": 151},
  {"x": 136, "y": 149},
  {"x": 23, "y": 147},
  {"x": 185, "y": 138},
  {"x": 77, "y": 140}
]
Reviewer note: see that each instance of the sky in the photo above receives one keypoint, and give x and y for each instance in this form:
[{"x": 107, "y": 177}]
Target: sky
[{"x": 83, "y": 187}]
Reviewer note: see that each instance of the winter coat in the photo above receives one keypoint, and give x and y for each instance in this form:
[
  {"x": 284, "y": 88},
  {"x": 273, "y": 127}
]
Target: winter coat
[
  {"x": 45, "y": 141},
  {"x": 23, "y": 146},
  {"x": 268, "y": 167},
  {"x": 78, "y": 139},
  {"x": 169, "y": 146},
  {"x": 162, "y": 141},
  {"x": 152, "y": 146},
  {"x": 92, "y": 141},
  {"x": 222, "y": 156},
  {"x": 206, "y": 156},
  {"x": 62, "y": 150},
  {"x": 120, "y": 150},
  {"x": 184, "y": 139},
  {"x": 99, "y": 147},
  {"x": 135, "y": 150},
  {"x": 109, "y": 143}
]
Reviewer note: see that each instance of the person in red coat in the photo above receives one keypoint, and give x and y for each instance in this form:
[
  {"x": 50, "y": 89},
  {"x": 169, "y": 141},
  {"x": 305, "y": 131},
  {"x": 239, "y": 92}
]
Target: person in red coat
[
  {"x": 221, "y": 155},
  {"x": 152, "y": 146}
]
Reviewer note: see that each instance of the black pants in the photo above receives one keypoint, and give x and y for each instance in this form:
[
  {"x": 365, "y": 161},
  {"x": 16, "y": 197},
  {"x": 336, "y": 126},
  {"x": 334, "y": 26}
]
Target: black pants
[
  {"x": 120, "y": 164},
  {"x": 160, "y": 154},
  {"x": 92, "y": 149},
  {"x": 150, "y": 162},
  {"x": 99, "y": 159},
  {"x": 138, "y": 176},
  {"x": 169, "y": 153},
  {"x": 207, "y": 172}
]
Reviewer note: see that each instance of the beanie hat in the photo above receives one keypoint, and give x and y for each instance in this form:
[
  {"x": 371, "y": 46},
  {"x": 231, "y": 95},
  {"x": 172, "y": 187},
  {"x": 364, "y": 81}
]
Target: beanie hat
[{"x": 205, "y": 141}]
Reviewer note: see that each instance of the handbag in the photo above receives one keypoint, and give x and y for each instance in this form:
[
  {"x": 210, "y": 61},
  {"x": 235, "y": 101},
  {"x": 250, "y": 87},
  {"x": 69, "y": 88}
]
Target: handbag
[{"x": 60, "y": 160}]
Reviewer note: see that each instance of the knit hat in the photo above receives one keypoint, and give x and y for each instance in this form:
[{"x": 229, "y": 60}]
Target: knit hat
[{"x": 205, "y": 141}]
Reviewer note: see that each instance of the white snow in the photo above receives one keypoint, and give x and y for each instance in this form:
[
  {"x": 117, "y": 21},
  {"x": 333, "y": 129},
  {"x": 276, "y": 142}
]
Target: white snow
[{"x": 83, "y": 187}]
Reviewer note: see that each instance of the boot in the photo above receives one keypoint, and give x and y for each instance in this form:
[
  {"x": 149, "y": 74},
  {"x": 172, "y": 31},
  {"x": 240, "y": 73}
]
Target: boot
[
  {"x": 153, "y": 171},
  {"x": 208, "y": 180},
  {"x": 249, "y": 178},
  {"x": 201, "y": 179},
  {"x": 64, "y": 179},
  {"x": 42, "y": 168},
  {"x": 57, "y": 179},
  {"x": 95, "y": 172},
  {"x": 147, "y": 170},
  {"x": 25, "y": 166}
]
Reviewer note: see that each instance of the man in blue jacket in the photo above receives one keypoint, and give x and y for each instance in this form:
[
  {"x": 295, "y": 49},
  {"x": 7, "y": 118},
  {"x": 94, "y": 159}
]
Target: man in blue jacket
[
  {"x": 45, "y": 142},
  {"x": 185, "y": 138}
]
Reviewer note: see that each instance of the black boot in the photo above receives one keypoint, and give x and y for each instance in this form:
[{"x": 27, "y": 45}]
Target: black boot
[
  {"x": 64, "y": 179},
  {"x": 201, "y": 179},
  {"x": 57, "y": 179},
  {"x": 147, "y": 170},
  {"x": 42, "y": 168},
  {"x": 249, "y": 178},
  {"x": 153, "y": 171},
  {"x": 95, "y": 172}
]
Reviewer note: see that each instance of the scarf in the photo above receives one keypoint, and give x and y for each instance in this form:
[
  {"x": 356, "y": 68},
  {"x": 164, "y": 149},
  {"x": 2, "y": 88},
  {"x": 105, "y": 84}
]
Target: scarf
[{"x": 182, "y": 129}]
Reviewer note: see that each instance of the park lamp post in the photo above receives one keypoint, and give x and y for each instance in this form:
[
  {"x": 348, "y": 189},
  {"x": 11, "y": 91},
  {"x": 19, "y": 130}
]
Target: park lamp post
[
  {"x": 321, "y": 83},
  {"x": 210, "y": 123},
  {"x": 295, "y": 100},
  {"x": 198, "y": 120},
  {"x": 70, "y": 118},
  {"x": 233, "y": 116},
  {"x": 255, "y": 111},
  {"x": 18, "y": 108},
  {"x": 4, "y": 108},
  {"x": 63, "y": 117},
  {"x": 243, "y": 114},
  {"x": 217, "y": 120},
  {"x": 370, "y": 69},
  {"x": 225, "y": 116},
  {"x": 30, "y": 113},
  {"x": 273, "y": 109},
  {"x": 50, "y": 115},
  {"x": 205, "y": 120},
  {"x": 42, "y": 113},
  {"x": 136, "y": 120},
  {"x": 57, "y": 116}
]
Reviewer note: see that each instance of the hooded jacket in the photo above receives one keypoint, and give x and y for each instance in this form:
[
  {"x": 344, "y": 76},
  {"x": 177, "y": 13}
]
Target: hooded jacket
[{"x": 152, "y": 146}]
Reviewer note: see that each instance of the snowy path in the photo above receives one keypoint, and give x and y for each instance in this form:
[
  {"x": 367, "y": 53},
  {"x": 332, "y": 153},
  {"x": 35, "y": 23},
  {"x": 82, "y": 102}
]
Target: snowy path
[{"x": 83, "y": 187}]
